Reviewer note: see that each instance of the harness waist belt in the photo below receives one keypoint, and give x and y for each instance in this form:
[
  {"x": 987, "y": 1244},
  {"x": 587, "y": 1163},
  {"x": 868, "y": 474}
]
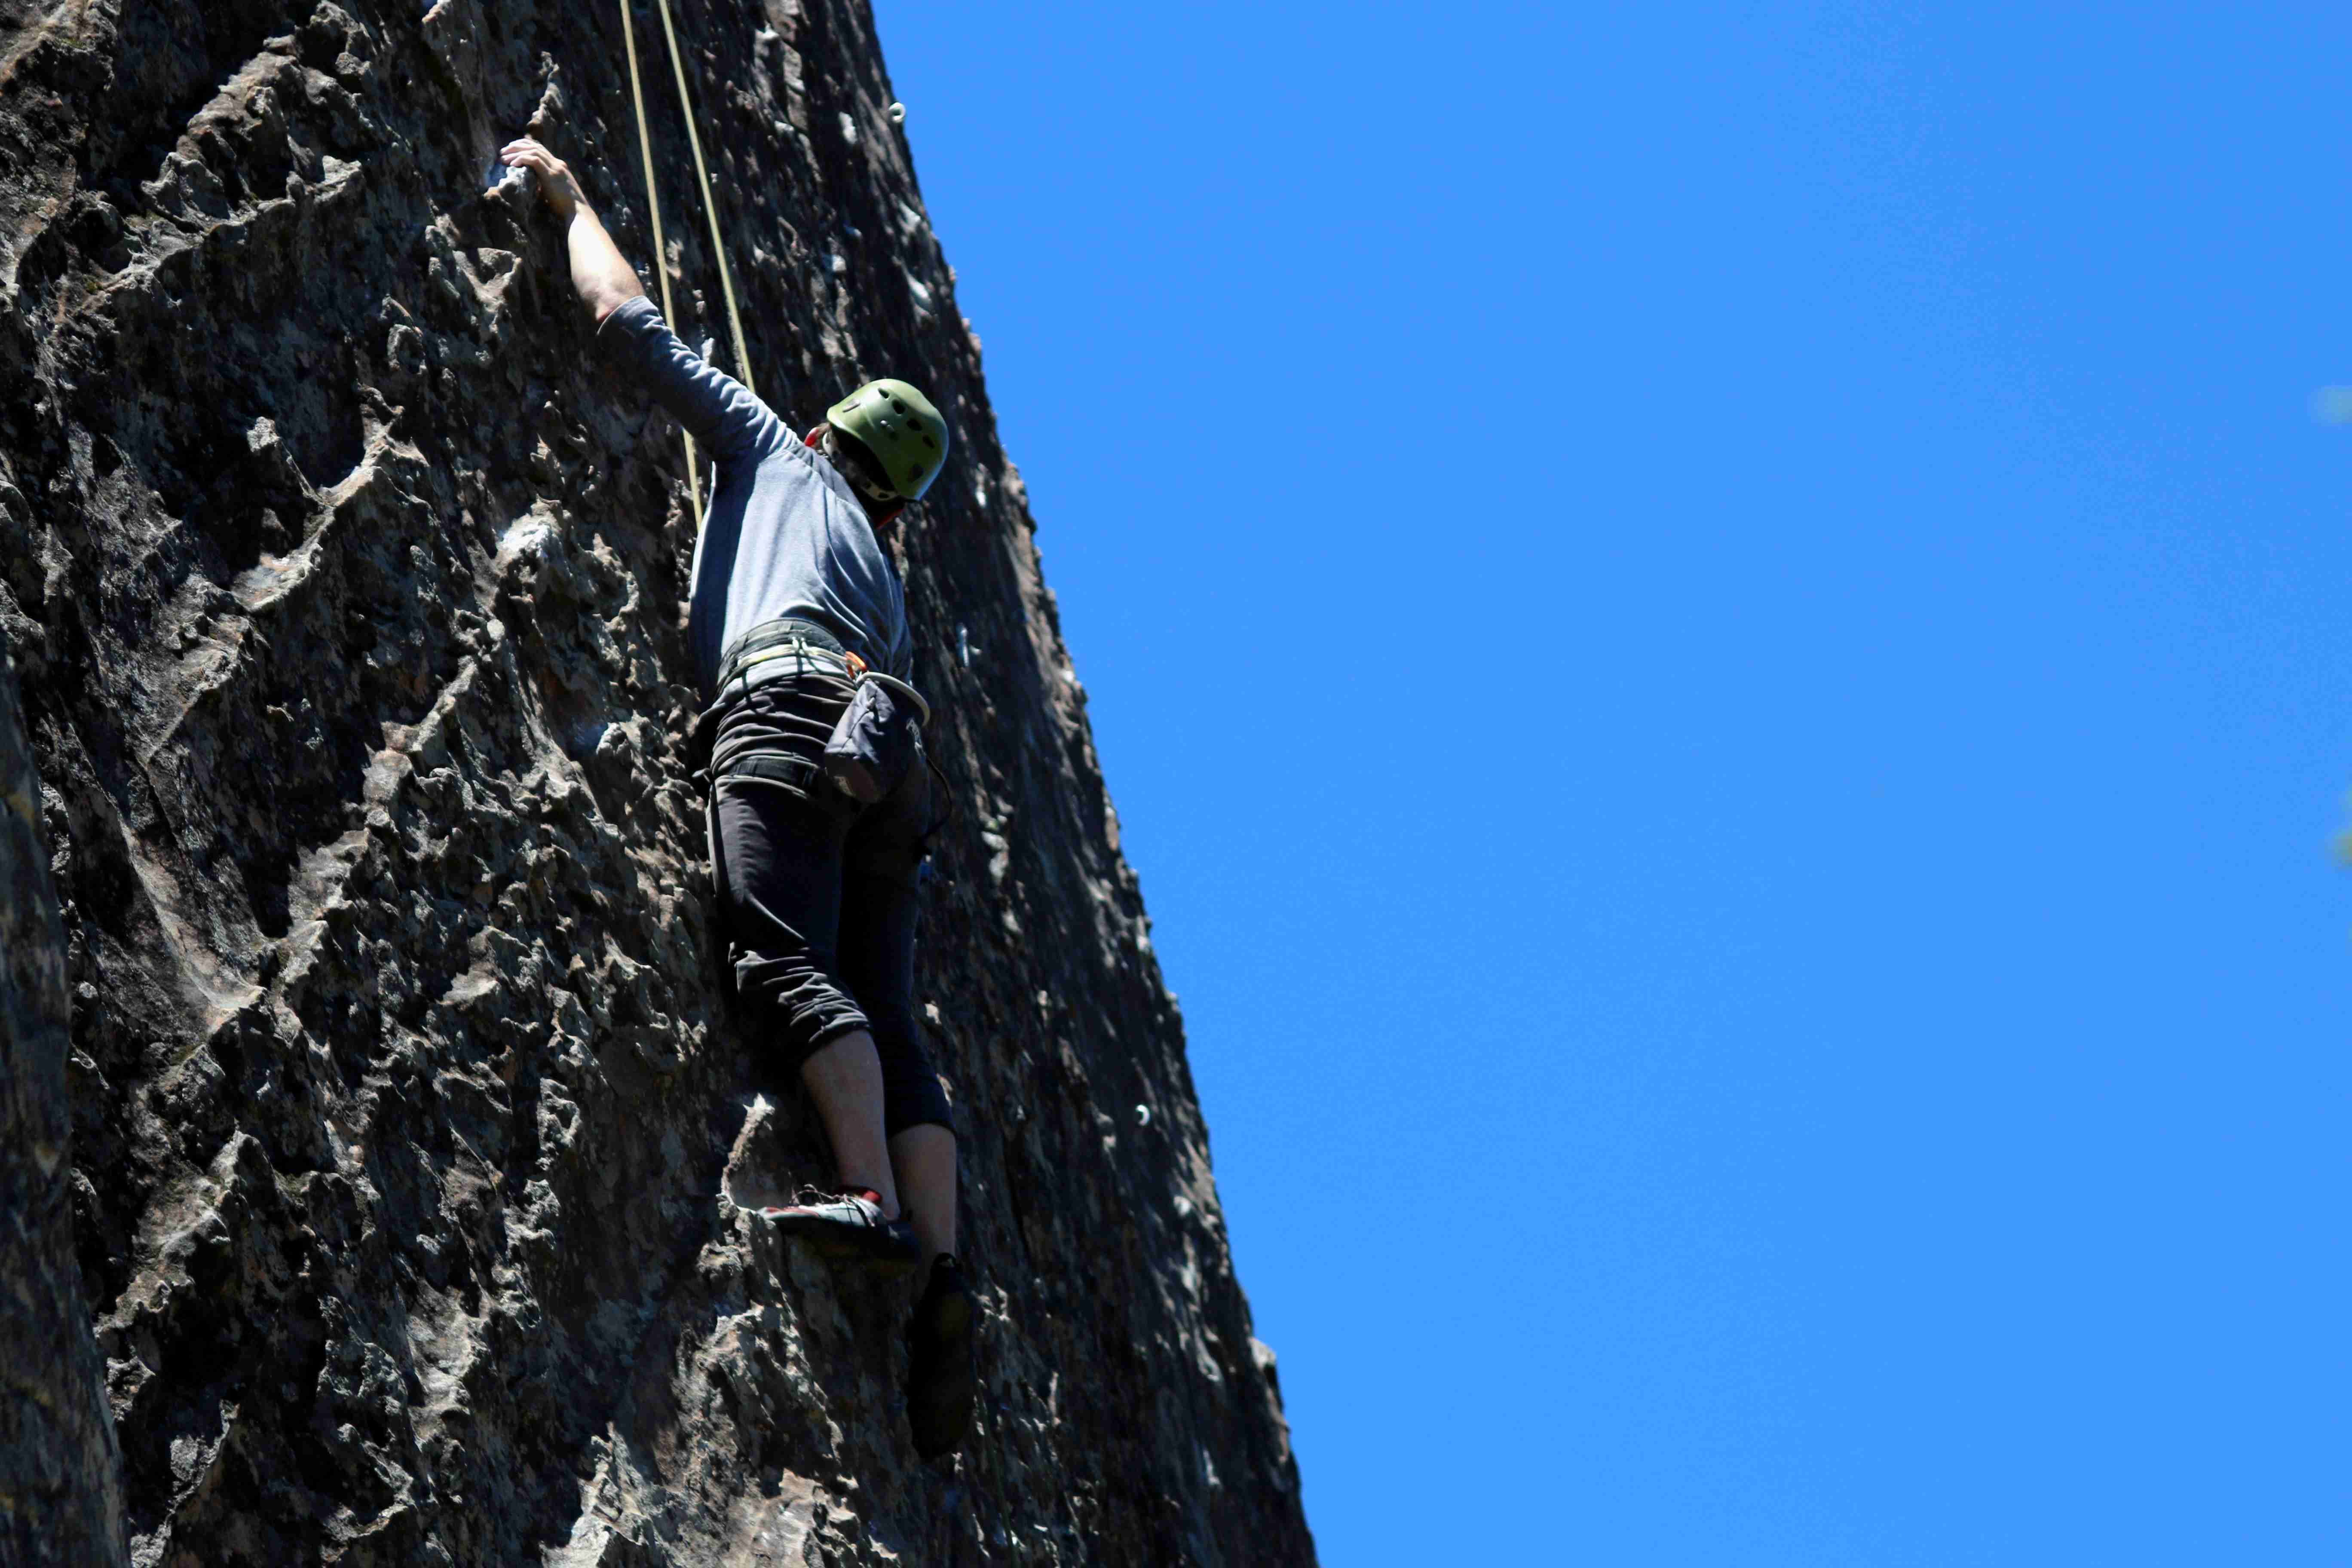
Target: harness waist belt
[
  {"x": 765, "y": 768},
  {"x": 759, "y": 654}
]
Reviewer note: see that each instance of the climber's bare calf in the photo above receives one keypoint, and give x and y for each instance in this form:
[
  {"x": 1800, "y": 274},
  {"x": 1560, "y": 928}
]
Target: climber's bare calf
[
  {"x": 925, "y": 1160},
  {"x": 844, "y": 1080}
]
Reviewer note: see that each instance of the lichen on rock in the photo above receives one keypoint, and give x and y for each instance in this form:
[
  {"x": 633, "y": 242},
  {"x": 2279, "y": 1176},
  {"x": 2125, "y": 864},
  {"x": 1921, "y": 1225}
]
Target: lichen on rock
[{"x": 344, "y": 590}]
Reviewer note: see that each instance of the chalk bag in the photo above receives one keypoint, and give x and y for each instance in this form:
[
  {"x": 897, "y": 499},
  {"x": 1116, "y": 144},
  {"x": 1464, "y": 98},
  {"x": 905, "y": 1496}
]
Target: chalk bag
[{"x": 876, "y": 740}]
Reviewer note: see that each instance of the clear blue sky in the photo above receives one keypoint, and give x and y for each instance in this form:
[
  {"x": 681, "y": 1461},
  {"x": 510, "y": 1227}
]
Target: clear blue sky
[{"x": 1721, "y": 636}]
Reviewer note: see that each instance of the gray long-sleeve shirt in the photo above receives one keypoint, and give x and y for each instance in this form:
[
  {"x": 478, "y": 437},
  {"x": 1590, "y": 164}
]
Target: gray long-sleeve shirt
[{"x": 783, "y": 534}]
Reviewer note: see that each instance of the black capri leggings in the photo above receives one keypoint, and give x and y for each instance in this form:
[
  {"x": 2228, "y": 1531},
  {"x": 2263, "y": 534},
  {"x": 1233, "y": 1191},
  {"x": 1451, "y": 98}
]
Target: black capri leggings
[{"x": 818, "y": 895}]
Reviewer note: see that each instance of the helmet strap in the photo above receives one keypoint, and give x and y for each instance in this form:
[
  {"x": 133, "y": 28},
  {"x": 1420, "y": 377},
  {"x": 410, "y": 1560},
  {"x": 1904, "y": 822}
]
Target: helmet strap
[{"x": 883, "y": 504}]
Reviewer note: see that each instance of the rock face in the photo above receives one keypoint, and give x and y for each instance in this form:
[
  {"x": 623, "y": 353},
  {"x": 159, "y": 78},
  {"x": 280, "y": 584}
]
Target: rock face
[
  {"x": 60, "y": 1499},
  {"x": 345, "y": 591}
]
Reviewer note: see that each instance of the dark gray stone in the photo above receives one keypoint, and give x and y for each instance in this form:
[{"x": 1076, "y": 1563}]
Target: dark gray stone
[
  {"x": 61, "y": 1497},
  {"x": 346, "y": 597}
]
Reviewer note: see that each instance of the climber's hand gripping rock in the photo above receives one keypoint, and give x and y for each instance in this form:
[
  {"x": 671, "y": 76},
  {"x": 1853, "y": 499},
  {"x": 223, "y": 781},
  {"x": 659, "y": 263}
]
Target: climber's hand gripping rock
[
  {"x": 555, "y": 181},
  {"x": 603, "y": 281}
]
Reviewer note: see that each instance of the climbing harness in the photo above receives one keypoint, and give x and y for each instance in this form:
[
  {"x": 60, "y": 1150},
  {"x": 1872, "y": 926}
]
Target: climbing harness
[{"x": 875, "y": 739}]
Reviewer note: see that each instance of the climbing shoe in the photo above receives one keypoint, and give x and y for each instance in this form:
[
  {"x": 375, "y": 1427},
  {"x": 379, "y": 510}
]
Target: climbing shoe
[
  {"x": 940, "y": 1376},
  {"x": 848, "y": 1224}
]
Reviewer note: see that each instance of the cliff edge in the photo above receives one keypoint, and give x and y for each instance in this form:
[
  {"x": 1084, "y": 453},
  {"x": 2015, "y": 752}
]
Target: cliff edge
[{"x": 345, "y": 590}]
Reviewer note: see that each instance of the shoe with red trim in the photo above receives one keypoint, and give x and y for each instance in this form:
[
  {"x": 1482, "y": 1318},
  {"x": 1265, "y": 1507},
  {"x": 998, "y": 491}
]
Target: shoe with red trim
[{"x": 848, "y": 1224}]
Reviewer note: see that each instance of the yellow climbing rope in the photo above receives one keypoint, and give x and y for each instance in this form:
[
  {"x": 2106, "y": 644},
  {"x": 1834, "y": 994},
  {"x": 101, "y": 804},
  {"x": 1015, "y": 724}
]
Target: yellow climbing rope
[
  {"x": 709, "y": 205},
  {"x": 710, "y": 212},
  {"x": 661, "y": 253}
]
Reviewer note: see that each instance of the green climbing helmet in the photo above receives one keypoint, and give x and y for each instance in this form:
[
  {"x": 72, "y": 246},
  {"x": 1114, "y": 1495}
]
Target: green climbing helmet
[{"x": 899, "y": 426}]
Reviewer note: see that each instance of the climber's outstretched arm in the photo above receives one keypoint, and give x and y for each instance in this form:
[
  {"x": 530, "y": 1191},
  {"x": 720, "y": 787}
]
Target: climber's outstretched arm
[
  {"x": 603, "y": 281},
  {"x": 716, "y": 409}
]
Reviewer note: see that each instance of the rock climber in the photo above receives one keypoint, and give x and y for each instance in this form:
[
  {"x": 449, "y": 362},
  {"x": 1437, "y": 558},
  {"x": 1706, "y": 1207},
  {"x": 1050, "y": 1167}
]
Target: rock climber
[{"x": 793, "y": 599}]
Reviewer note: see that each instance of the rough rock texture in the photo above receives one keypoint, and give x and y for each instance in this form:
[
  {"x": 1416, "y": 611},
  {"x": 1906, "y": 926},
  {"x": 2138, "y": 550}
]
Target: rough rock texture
[
  {"x": 345, "y": 594},
  {"x": 60, "y": 1498}
]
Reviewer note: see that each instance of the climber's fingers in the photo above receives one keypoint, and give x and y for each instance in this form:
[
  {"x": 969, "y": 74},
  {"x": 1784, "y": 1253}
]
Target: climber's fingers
[
  {"x": 528, "y": 152},
  {"x": 555, "y": 181}
]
